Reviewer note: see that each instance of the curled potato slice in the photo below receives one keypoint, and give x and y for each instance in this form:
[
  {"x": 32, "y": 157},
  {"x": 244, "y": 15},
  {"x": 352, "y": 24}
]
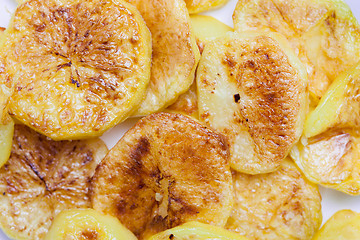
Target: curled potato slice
[
  {"x": 198, "y": 231},
  {"x": 344, "y": 224},
  {"x": 81, "y": 71},
  {"x": 324, "y": 34},
  {"x": 87, "y": 224},
  {"x": 278, "y": 205},
  {"x": 166, "y": 170},
  {"x": 43, "y": 177},
  {"x": 252, "y": 88},
  {"x": 331, "y": 159},
  {"x": 196, "y": 6},
  {"x": 339, "y": 107},
  {"x": 175, "y": 54}
]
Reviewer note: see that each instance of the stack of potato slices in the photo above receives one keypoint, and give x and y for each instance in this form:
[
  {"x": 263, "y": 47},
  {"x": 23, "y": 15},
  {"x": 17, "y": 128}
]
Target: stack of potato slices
[{"x": 237, "y": 129}]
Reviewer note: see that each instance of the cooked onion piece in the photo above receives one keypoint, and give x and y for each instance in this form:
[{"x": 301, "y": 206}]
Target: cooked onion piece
[
  {"x": 43, "y": 177},
  {"x": 278, "y": 205},
  {"x": 82, "y": 71},
  {"x": 252, "y": 88},
  {"x": 166, "y": 170},
  {"x": 175, "y": 54}
]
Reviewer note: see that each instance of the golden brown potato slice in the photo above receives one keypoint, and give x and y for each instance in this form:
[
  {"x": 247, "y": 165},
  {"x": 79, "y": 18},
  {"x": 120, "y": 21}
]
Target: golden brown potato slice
[
  {"x": 252, "y": 88},
  {"x": 331, "y": 159},
  {"x": 81, "y": 71},
  {"x": 207, "y": 28},
  {"x": 87, "y": 224},
  {"x": 175, "y": 54},
  {"x": 197, "y": 231},
  {"x": 344, "y": 224},
  {"x": 166, "y": 170},
  {"x": 196, "y": 6},
  {"x": 278, "y": 205},
  {"x": 324, "y": 34},
  {"x": 42, "y": 178},
  {"x": 339, "y": 107}
]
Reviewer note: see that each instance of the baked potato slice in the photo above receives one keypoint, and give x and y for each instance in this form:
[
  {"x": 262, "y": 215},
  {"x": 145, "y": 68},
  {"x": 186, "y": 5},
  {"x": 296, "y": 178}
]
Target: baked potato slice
[
  {"x": 278, "y": 205},
  {"x": 168, "y": 169},
  {"x": 198, "y": 231},
  {"x": 43, "y": 177},
  {"x": 197, "y": 6},
  {"x": 252, "y": 88},
  {"x": 87, "y": 224},
  {"x": 81, "y": 71},
  {"x": 324, "y": 34},
  {"x": 175, "y": 54},
  {"x": 344, "y": 224}
]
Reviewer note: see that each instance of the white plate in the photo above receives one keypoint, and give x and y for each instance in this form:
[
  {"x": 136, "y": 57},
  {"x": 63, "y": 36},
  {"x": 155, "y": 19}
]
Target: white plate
[{"x": 332, "y": 200}]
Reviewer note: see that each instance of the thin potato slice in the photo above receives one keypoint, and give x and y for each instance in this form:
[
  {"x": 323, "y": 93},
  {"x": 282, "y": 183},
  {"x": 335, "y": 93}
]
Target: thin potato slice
[
  {"x": 324, "y": 34},
  {"x": 175, "y": 54},
  {"x": 339, "y": 107},
  {"x": 43, "y": 177},
  {"x": 166, "y": 170},
  {"x": 252, "y": 88},
  {"x": 87, "y": 224},
  {"x": 344, "y": 224},
  {"x": 82, "y": 71},
  {"x": 199, "y": 231},
  {"x": 278, "y": 205},
  {"x": 196, "y": 6},
  {"x": 331, "y": 159}
]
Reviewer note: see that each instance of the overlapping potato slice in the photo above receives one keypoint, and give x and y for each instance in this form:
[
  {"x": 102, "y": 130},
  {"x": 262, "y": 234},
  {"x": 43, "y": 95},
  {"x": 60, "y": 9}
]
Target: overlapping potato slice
[
  {"x": 278, "y": 205},
  {"x": 87, "y": 224},
  {"x": 324, "y": 34},
  {"x": 166, "y": 170},
  {"x": 331, "y": 159},
  {"x": 196, "y": 6},
  {"x": 207, "y": 28},
  {"x": 42, "y": 178},
  {"x": 339, "y": 107},
  {"x": 344, "y": 224},
  {"x": 186, "y": 104},
  {"x": 252, "y": 88},
  {"x": 82, "y": 71},
  {"x": 175, "y": 54},
  {"x": 198, "y": 231}
]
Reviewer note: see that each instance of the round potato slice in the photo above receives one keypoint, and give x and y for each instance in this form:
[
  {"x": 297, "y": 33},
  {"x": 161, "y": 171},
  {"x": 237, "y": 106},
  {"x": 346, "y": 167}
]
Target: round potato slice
[
  {"x": 87, "y": 224},
  {"x": 175, "y": 53},
  {"x": 331, "y": 159},
  {"x": 196, "y": 6},
  {"x": 278, "y": 205},
  {"x": 198, "y": 231},
  {"x": 82, "y": 71},
  {"x": 252, "y": 88},
  {"x": 42, "y": 178},
  {"x": 166, "y": 170},
  {"x": 344, "y": 224},
  {"x": 324, "y": 34}
]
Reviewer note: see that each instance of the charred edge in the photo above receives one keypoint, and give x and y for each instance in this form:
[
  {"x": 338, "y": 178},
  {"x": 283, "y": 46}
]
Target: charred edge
[
  {"x": 171, "y": 236},
  {"x": 237, "y": 98},
  {"x": 73, "y": 81},
  {"x": 63, "y": 65}
]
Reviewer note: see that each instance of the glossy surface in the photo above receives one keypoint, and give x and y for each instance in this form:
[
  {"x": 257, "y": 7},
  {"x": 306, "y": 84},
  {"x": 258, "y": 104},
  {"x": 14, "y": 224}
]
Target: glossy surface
[
  {"x": 252, "y": 88},
  {"x": 81, "y": 72},
  {"x": 166, "y": 170},
  {"x": 42, "y": 178}
]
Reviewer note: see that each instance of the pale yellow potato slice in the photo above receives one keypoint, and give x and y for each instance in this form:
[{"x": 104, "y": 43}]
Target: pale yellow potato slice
[
  {"x": 207, "y": 28},
  {"x": 324, "y": 34},
  {"x": 82, "y": 71},
  {"x": 196, "y": 6},
  {"x": 331, "y": 159},
  {"x": 339, "y": 107},
  {"x": 87, "y": 224},
  {"x": 198, "y": 231},
  {"x": 168, "y": 169},
  {"x": 344, "y": 224},
  {"x": 278, "y": 205},
  {"x": 43, "y": 177},
  {"x": 252, "y": 88},
  {"x": 175, "y": 53}
]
